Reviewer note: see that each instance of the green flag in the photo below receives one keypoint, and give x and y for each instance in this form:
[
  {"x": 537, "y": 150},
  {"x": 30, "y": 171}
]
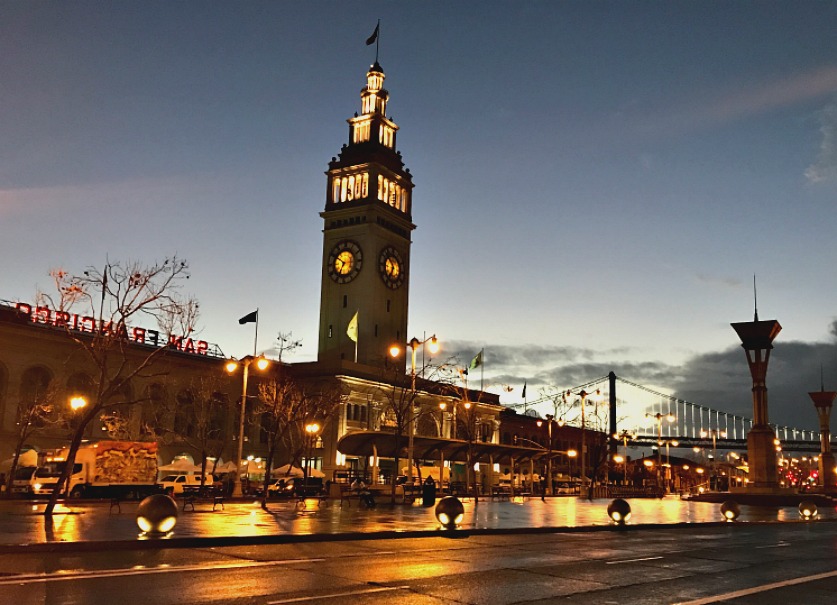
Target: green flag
[{"x": 476, "y": 361}]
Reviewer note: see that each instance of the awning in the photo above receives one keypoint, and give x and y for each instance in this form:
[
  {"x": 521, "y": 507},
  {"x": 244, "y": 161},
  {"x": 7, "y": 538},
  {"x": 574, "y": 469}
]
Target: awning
[{"x": 361, "y": 443}]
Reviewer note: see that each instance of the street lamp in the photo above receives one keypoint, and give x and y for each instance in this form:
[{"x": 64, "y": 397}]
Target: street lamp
[
  {"x": 624, "y": 437},
  {"x": 549, "y": 419},
  {"x": 658, "y": 418},
  {"x": 583, "y": 395},
  {"x": 432, "y": 345},
  {"x": 311, "y": 430},
  {"x": 715, "y": 433},
  {"x": 231, "y": 366}
]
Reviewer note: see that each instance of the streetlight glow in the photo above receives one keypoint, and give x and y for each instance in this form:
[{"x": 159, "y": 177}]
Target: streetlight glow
[{"x": 77, "y": 402}]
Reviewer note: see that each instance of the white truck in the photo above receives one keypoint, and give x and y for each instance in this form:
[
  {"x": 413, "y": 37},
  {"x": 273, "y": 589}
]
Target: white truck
[{"x": 105, "y": 469}]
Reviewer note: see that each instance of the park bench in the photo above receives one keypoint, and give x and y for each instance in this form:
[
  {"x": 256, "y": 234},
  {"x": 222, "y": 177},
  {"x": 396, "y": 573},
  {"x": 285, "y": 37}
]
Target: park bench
[{"x": 191, "y": 496}]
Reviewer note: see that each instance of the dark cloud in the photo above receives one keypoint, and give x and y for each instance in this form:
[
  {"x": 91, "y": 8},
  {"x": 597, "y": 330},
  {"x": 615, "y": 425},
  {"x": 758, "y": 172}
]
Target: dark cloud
[{"x": 718, "y": 380}]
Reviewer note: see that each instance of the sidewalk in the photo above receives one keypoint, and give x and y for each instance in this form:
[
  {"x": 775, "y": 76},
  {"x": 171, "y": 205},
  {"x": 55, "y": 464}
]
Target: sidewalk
[{"x": 23, "y": 524}]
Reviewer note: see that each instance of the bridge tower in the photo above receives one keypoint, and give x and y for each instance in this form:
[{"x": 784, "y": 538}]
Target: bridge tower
[{"x": 823, "y": 400}]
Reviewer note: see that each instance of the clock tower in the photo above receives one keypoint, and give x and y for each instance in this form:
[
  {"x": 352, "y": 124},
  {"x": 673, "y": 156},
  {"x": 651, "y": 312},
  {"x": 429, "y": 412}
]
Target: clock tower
[{"x": 367, "y": 223}]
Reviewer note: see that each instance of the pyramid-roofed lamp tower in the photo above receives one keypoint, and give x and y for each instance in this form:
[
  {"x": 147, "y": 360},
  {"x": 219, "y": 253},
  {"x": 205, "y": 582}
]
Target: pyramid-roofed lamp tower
[
  {"x": 823, "y": 400},
  {"x": 757, "y": 340}
]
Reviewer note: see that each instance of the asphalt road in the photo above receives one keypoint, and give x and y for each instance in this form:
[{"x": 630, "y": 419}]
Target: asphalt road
[{"x": 763, "y": 564}]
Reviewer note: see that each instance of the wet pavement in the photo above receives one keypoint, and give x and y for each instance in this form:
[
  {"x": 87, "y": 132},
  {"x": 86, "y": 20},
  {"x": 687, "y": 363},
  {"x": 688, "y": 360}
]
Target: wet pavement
[{"x": 23, "y": 523}]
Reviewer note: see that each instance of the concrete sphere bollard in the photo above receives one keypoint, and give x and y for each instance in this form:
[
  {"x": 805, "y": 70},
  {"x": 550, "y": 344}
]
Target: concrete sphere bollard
[
  {"x": 619, "y": 511},
  {"x": 730, "y": 510},
  {"x": 157, "y": 514},
  {"x": 807, "y": 510},
  {"x": 450, "y": 512}
]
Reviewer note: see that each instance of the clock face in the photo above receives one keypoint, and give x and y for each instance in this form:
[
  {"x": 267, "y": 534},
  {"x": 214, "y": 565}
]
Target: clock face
[
  {"x": 345, "y": 261},
  {"x": 391, "y": 267}
]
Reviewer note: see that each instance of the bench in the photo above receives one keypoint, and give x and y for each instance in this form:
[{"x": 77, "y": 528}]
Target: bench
[
  {"x": 347, "y": 495},
  {"x": 502, "y": 492},
  {"x": 190, "y": 497}
]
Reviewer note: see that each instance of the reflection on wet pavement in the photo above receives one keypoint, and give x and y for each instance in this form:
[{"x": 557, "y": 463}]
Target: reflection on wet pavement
[{"x": 22, "y": 523}]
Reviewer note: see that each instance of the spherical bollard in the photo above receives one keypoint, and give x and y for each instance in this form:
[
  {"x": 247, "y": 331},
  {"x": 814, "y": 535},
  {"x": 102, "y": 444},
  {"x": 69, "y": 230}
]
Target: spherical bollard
[
  {"x": 730, "y": 510},
  {"x": 157, "y": 514},
  {"x": 450, "y": 512},
  {"x": 619, "y": 511},
  {"x": 807, "y": 510}
]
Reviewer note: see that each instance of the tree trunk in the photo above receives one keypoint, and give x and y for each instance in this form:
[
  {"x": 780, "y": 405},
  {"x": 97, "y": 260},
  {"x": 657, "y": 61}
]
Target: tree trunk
[{"x": 68, "y": 464}]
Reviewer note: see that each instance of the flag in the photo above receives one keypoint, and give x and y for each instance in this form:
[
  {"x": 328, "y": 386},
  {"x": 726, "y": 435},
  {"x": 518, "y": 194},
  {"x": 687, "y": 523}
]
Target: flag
[
  {"x": 371, "y": 39},
  {"x": 476, "y": 361},
  {"x": 524, "y": 389},
  {"x": 250, "y": 318},
  {"x": 352, "y": 329}
]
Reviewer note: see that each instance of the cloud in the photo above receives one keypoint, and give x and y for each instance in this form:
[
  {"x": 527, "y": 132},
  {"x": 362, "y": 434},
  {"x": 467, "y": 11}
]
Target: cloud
[
  {"x": 718, "y": 380},
  {"x": 825, "y": 167}
]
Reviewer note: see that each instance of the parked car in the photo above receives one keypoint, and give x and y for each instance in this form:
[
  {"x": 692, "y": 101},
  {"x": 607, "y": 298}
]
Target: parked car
[
  {"x": 174, "y": 484},
  {"x": 290, "y": 487}
]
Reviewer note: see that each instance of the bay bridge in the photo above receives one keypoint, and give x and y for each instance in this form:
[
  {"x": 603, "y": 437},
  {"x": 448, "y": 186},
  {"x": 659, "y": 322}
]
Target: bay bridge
[{"x": 623, "y": 408}]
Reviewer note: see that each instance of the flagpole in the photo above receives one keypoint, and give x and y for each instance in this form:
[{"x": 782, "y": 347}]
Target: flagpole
[
  {"x": 256, "y": 339},
  {"x": 377, "y": 40}
]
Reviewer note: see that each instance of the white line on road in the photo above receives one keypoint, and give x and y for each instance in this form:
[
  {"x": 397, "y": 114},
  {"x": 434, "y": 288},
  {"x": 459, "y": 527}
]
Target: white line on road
[
  {"x": 63, "y": 576},
  {"x": 632, "y": 560},
  {"x": 339, "y": 594},
  {"x": 758, "y": 589}
]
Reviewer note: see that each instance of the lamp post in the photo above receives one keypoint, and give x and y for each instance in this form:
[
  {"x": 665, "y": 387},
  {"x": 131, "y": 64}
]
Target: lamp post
[
  {"x": 659, "y": 417},
  {"x": 715, "y": 433},
  {"x": 624, "y": 436},
  {"x": 311, "y": 430},
  {"x": 231, "y": 366},
  {"x": 432, "y": 344},
  {"x": 583, "y": 395},
  {"x": 549, "y": 419}
]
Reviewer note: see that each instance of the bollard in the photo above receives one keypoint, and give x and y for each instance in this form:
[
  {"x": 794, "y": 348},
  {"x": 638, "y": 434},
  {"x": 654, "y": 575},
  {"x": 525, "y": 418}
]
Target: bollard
[
  {"x": 730, "y": 510},
  {"x": 807, "y": 510},
  {"x": 157, "y": 514},
  {"x": 449, "y": 512},
  {"x": 619, "y": 511}
]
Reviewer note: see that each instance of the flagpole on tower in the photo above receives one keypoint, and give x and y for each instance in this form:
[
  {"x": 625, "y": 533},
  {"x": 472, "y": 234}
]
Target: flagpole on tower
[
  {"x": 375, "y": 39},
  {"x": 256, "y": 337}
]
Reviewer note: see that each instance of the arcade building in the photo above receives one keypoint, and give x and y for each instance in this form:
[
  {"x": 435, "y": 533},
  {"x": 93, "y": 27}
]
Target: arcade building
[{"x": 364, "y": 298}]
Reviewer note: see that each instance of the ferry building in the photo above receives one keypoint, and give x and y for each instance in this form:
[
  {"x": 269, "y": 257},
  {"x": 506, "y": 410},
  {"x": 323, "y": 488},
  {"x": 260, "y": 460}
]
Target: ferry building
[{"x": 364, "y": 300}]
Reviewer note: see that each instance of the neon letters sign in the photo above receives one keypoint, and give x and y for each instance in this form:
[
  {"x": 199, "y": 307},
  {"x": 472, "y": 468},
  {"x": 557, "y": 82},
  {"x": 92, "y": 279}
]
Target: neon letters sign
[{"x": 88, "y": 325}]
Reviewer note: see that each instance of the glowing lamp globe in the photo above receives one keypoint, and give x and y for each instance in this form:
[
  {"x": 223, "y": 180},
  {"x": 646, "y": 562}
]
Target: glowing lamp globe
[
  {"x": 807, "y": 510},
  {"x": 730, "y": 510},
  {"x": 157, "y": 514},
  {"x": 619, "y": 511},
  {"x": 450, "y": 512}
]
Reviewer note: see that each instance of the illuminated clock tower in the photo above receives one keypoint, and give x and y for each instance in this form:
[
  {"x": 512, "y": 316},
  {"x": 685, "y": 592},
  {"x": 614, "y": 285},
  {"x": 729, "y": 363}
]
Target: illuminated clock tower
[{"x": 366, "y": 237}]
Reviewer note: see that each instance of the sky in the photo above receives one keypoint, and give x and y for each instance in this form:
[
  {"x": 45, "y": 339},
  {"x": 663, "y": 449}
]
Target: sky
[{"x": 597, "y": 183}]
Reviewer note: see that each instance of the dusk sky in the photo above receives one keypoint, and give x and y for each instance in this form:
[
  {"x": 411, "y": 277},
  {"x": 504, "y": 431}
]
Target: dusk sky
[{"x": 596, "y": 182}]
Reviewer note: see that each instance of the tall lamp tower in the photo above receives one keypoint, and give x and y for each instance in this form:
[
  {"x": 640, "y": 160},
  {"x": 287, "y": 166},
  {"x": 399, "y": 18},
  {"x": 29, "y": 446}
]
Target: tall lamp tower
[
  {"x": 823, "y": 400},
  {"x": 757, "y": 340}
]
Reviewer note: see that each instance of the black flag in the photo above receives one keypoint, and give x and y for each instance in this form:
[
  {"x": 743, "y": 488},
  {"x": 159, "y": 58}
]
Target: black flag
[
  {"x": 249, "y": 318},
  {"x": 371, "y": 39}
]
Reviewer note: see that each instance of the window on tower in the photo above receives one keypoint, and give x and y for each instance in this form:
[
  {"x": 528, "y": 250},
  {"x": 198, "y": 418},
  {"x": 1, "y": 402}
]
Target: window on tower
[
  {"x": 386, "y": 136},
  {"x": 361, "y": 131},
  {"x": 392, "y": 193},
  {"x": 351, "y": 187}
]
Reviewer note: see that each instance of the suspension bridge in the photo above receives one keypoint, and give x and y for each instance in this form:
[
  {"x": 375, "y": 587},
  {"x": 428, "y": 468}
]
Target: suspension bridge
[{"x": 625, "y": 408}]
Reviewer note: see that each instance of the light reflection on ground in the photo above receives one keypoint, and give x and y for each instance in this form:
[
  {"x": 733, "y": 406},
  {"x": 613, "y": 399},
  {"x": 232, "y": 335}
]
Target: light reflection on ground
[{"x": 19, "y": 523}]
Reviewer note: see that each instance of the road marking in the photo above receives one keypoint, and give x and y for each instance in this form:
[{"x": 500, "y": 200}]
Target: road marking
[
  {"x": 758, "y": 589},
  {"x": 63, "y": 576},
  {"x": 779, "y": 545},
  {"x": 338, "y": 594},
  {"x": 631, "y": 560}
]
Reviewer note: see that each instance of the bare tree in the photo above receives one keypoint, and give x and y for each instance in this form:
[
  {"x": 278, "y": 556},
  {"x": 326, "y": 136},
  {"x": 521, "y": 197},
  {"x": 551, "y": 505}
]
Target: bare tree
[
  {"x": 35, "y": 412},
  {"x": 287, "y": 405},
  {"x": 117, "y": 298}
]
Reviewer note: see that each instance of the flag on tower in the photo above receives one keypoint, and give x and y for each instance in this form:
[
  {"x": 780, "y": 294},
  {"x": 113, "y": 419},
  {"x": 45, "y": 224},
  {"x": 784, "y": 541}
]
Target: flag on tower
[
  {"x": 250, "y": 318},
  {"x": 476, "y": 361},
  {"x": 351, "y": 331},
  {"x": 371, "y": 39}
]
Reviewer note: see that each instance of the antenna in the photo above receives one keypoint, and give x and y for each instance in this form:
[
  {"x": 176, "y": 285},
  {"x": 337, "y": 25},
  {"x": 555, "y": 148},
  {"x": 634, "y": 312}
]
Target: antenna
[{"x": 755, "y": 300}]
